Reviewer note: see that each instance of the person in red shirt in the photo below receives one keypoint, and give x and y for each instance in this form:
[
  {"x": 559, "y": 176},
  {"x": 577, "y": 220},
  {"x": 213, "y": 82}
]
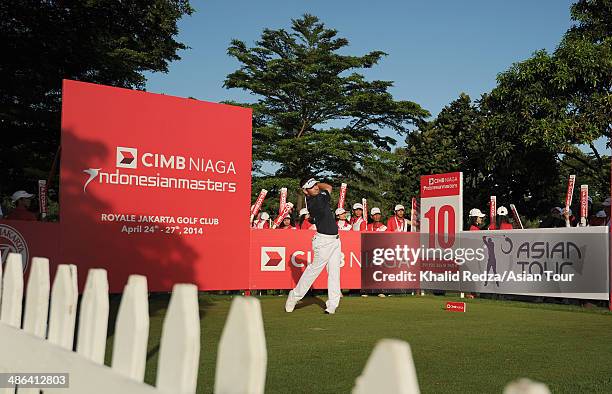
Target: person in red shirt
[
  {"x": 286, "y": 224},
  {"x": 263, "y": 221},
  {"x": 357, "y": 220},
  {"x": 503, "y": 223},
  {"x": 476, "y": 219},
  {"x": 304, "y": 221},
  {"x": 398, "y": 222},
  {"x": 22, "y": 200},
  {"x": 341, "y": 221},
  {"x": 377, "y": 224}
]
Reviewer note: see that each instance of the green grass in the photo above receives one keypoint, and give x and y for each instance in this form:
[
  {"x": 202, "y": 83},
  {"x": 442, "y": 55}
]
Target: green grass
[{"x": 567, "y": 347}]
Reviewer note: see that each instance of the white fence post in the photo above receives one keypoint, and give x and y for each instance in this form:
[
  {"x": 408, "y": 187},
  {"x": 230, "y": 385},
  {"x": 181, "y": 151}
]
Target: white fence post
[
  {"x": 390, "y": 369},
  {"x": 241, "y": 355},
  {"x": 526, "y": 386},
  {"x": 62, "y": 313},
  {"x": 132, "y": 330},
  {"x": 93, "y": 317},
  {"x": 37, "y": 298},
  {"x": 179, "y": 351},
  {"x": 12, "y": 290}
]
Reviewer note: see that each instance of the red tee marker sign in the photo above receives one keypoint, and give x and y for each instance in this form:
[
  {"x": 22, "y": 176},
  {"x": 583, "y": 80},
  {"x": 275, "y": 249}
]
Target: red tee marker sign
[{"x": 455, "y": 306}]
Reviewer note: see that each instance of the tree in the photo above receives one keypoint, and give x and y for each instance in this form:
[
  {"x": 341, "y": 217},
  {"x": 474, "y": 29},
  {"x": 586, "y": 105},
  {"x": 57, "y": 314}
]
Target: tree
[
  {"x": 102, "y": 41},
  {"x": 562, "y": 101},
  {"x": 315, "y": 114}
]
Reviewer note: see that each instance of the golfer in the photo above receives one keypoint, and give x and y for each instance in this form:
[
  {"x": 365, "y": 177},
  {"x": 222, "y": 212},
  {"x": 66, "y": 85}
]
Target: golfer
[{"x": 325, "y": 244}]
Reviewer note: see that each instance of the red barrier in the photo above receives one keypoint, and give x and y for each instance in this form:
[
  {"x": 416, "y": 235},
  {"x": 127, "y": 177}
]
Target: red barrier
[{"x": 278, "y": 258}]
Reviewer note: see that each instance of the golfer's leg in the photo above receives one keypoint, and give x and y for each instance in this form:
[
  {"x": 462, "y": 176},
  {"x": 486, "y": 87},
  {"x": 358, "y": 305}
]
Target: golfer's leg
[
  {"x": 333, "y": 278},
  {"x": 312, "y": 271}
]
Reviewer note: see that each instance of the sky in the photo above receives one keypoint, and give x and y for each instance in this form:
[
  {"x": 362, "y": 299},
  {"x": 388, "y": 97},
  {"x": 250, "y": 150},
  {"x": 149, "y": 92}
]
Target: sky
[{"x": 436, "y": 48}]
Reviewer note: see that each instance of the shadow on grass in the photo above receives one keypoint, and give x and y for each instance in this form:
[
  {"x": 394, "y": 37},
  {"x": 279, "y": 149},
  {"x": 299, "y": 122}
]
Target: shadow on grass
[{"x": 307, "y": 301}]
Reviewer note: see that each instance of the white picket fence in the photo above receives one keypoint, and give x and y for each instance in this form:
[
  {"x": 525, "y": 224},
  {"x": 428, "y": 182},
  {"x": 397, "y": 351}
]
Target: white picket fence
[{"x": 43, "y": 342}]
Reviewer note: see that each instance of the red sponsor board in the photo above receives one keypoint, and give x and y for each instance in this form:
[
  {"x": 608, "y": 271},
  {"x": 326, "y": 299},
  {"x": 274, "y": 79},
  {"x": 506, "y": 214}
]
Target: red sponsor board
[
  {"x": 455, "y": 306},
  {"x": 584, "y": 204},
  {"x": 278, "y": 259},
  {"x": 152, "y": 185},
  {"x": 31, "y": 239},
  {"x": 438, "y": 185}
]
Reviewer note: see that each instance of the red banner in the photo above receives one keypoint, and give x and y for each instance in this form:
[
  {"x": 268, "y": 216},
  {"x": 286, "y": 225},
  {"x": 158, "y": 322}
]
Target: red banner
[
  {"x": 570, "y": 191},
  {"x": 492, "y": 209},
  {"x": 455, "y": 306},
  {"x": 42, "y": 198},
  {"x": 257, "y": 205},
  {"x": 515, "y": 215},
  {"x": 584, "y": 204},
  {"x": 364, "y": 202},
  {"x": 342, "y": 197},
  {"x": 283, "y": 199},
  {"x": 150, "y": 185},
  {"x": 278, "y": 259},
  {"x": 280, "y": 217}
]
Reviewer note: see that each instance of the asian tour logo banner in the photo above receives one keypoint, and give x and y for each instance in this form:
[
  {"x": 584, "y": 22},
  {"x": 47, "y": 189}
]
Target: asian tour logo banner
[
  {"x": 567, "y": 262},
  {"x": 156, "y": 185}
]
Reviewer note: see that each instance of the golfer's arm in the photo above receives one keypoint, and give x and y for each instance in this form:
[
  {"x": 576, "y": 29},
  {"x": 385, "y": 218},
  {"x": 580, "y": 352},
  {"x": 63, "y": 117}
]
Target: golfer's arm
[{"x": 325, "y": 186}]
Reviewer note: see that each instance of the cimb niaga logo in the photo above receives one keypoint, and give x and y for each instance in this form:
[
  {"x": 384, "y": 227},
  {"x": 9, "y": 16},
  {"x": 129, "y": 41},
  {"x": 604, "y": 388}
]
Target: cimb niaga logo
[
  {"x": 11, "y": 241},
  {"x": 273, "y": 258},
  {"x": 127, "y": 157}
]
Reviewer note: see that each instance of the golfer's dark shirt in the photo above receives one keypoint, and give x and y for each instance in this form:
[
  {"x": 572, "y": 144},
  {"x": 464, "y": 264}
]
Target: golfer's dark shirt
[{"x": 320, "y": 212}]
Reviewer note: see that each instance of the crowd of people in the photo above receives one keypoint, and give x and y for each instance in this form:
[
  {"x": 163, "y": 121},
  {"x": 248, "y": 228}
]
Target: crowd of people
[
  {"x": 399, "y": 220},
  {"x": 346, "y": 221}
]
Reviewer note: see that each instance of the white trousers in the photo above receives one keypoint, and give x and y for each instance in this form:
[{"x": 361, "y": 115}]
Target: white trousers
[{"x": 326, "y": 252}]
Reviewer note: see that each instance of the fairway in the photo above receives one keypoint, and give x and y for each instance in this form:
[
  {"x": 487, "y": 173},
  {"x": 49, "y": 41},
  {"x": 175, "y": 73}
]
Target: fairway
[{"x": 568, "y": 348}]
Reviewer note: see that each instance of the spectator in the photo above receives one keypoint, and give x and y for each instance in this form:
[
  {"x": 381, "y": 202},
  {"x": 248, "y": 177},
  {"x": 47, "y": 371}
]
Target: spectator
[
  {"x": 341, "y": 221},
  {"x": 357, "y": 221},
  {"x": 606, "y": 208},
  {"x": 554, "y": 219},
  {"x": 397, "y": 222},
  {"x": 599, "y": 219},
  {"x": 22, "y": 200},
  {"x": 263, "y": 221},
  {"x": 476, "y": 221},
  {"x": 290, "y": 205},
  {"x": 377, "y": 224},
  {"x": 286, "y": 224},
  {"x": 569, "y": 220},
  {"x": 503, "y": 223},
  {"x": 304, "y": 222}
]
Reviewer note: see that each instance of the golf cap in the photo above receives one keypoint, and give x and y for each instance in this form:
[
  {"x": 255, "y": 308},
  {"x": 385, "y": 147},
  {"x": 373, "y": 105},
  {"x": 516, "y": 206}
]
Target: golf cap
[
  {"x": 309, "y": 183},
  {"x": 475, "y": 212},
  {"x": 557, "y": 210},
  {"x": 265, "y": 216},
  {"x": 375, "y": 211},
  {"x": 502, "y": 211},
  {"x": 357, "y": 205},
  {"x": 399, "y": 207},
  {"x": 23, "y": 194},
  {"x": 600, "y": 214},
  {"x": 290, "y": 205},
  {"x": 606, "y": 202},
  {"x": 303, "y": 211},
  {"x": 340, "y": 211}
]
